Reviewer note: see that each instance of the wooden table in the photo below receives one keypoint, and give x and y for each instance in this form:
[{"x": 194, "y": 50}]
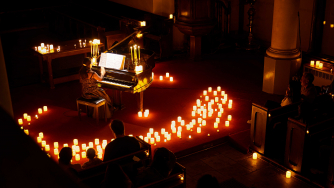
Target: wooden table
[{"x": 66, "y": 49}]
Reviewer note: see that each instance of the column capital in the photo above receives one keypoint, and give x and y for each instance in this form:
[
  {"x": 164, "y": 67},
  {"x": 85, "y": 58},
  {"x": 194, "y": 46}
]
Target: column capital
[{"x": 283, "y": 54}]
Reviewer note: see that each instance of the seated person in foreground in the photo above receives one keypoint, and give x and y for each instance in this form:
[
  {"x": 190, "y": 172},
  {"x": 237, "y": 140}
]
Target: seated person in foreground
[
  {"x": 116, "y": 177},
  {"x": 122, "y": 145},
  {"x": 90, "y": 90},
  {"x": 207, "y": 180},
  {"x": 160, "y": 168},
  {"x": 65, "y": 156},
  {"x": 92, "y": 159}
]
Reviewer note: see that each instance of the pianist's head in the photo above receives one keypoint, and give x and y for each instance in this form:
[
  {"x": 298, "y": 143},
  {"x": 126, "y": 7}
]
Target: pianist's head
[
  {"x": 86, "y": 67},
  {"x": 117, "y": 127}
]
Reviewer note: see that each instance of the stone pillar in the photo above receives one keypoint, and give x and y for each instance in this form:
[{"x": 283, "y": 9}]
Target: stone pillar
[
  {"x": 282, "y": 59},
  {"x": 5, "y": 98}
]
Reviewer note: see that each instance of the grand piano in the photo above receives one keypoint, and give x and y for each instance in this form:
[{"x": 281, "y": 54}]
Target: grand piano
[{"x": 128, "y": 80}]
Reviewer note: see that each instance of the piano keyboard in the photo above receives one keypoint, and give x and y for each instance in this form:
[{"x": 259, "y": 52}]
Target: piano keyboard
[{"x": 115, "y": 84}]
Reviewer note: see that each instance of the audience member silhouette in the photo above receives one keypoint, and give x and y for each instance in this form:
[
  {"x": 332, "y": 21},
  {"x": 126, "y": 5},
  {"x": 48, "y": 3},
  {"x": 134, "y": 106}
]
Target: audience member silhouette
[
  {"x": 160, "y": 168},
  {"x": 207, "y": 181},
  {"x": 92, "y": 160},
  {"x": 292, "y": 94},
  {"x": 65, "y": 156},
  {"x": 308, "y": 95},
  {"x": 116, "y": 177},
  {"x": 122, "y": 145}
]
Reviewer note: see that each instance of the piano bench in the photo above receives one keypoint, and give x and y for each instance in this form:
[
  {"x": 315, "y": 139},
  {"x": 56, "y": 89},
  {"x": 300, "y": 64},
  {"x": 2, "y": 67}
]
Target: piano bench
[{"x": 95, "y": 103}]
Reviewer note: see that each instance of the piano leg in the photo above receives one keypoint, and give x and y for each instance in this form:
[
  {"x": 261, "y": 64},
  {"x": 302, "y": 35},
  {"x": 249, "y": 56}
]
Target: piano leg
[
  {"x": 139, "y": 97},
  {"x": 117, "y": 99}
]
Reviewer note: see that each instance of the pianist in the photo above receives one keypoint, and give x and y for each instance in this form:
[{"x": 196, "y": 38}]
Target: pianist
[{"x": 90, "y": 90}]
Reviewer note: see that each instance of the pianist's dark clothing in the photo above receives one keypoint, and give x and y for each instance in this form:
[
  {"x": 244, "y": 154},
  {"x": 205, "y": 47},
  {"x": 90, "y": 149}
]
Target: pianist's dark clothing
[{"x": 121, "y": 146}]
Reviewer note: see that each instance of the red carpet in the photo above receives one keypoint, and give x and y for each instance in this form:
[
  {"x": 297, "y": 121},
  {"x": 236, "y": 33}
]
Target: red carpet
[{"x": 165, "y": 100}]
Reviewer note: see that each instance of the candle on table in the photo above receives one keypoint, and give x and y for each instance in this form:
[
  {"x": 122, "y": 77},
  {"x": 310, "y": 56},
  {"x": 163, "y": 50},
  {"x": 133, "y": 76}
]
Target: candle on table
[
  {"x": 230, "y": 101},
  {"x": 90, "y": 144},
  {"x": 215, "y": 125},
  {"x": 216, "y": 99},
  {"x": 156, "y": 134},
  {"x": 206, "y": 98},
  {"x": 204, "y": 122},
  {"x": 193, "y": 113},
  {"x": 41, "y": 134},
  {"x": 169, "y": 137},
  {"x": 166, "y": 134},
  {"x": 143, "y": 23},
  {"x": 151, "y": 130},
  {"x": 188, "y": 127},
  {"x": 219, "y": 114},
  {"x": 254, "y": 155},
  {"x": 218, "y": 120},
  {"x": 97, "y": 141},
  {"x": 163, "y": 130},
  {"x": 173, "y": 130},
  {"x": 198, "y": 102},
  {"x": 179, "y": 129},
  {"x": 145, "y": 114},
  {"x": 20, "y": 121},
  {"x": 229, "y": 117},
  {"x": 75, "y": 141},
  {"x": 222, "y": 110},
  {"x": 158, "y": 138},
  {"x": 77, "y": 148},
  {"x": 179, "y": 119}
]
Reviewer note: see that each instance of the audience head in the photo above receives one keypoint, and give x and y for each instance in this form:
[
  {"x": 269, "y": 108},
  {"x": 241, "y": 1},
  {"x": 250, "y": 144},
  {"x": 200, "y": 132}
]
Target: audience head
[
  {"x": 117, "y": 127},
  {"x": 116, "y": 177},
  {"x": 86, "y": 65},
  {"x": 307, "y": 79},
  {"x": 91, "y": 153},
  {"x": 163, "y": 161},
  {"x": 65, "y": 155},
  {"x": 207, "y": 181}
]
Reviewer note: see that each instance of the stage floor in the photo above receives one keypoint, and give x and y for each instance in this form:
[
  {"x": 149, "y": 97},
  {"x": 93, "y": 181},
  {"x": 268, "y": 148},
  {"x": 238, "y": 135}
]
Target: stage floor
[{"x": 240, "y": 76}]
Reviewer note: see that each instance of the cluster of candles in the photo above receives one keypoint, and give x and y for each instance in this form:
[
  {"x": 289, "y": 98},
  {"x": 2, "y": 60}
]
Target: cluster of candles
[
  {"x": 135, "y": 56},
  {"x": 162, "y": 77},
  {"x": 205, "y": 111},
  {"x": 46, "y": 48},
  {"x": 146, "y": 113},
  {"x": 143, "y": 23},
  {"x": 82, "y": 44},
  {"x": 318, "y": 64},
  {"x": 28, "y": 118}
]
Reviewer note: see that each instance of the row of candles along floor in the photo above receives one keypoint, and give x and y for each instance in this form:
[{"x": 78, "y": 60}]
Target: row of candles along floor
[{"x": 287, "y": 174}]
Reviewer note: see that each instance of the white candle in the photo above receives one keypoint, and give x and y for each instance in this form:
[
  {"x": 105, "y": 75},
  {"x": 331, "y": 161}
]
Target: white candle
[
  {"x": 167, "y": 74},
  {"x": 42, "y": 45},
  {"x": 193, "y": 113},
  {"x": 170, "y": 16},
  {"x": 140, "y": 114},
  {"x": 43, "y": 143},
  {"x": 173, "y": 130},
  {"x": 141, "y": 137},
  {"x": 20, "y": 121},
  {"x": 209, "y": 89},
  {"x": 227, "y": 123},
  {"x": 288, "y": 174},
  {"x": 179, "y": 134},
  {"x": 151, "y": 130},
  {"x": 75, "y": 141},
  {"x": 56, "y": 152},
  {"x": 222, "y": 93},
  {"x": 312, "y": 63},
  {"x": 321, "y": 65},
  {"x": 148, "y": 135},
  {"x": 158, "y": 138},
  {"x": 55, "y": 145},
  {"x": 83, "y": 146},
  {"x": 173, "y": 123},
  {"x": 179, "y": 129},
  {"x": 218, "y": 120},
  {"x": 189, "y": 136},
  {"x": 28, "y": 118},
  {"x": 203, "y": 122},
  {"x": 77, "y": 157},
  {"x": 254, "y": 155},
  {"x": 215, "y": 93},
  {"x": 146, "y": 139},
  {"x": 215, "y": 125},
  {"x": 230, "y": 106},
  {"x": 161, "y": 78},
  {"x": 40, "y": 110},
  {"x": 143, "y": 23},
  {"x": 206, "y": 98},
  {"x": 179, "y": 119},
  {"x": 169, "y": 137},
  {"x": 205, "y": 92},
  {"x": 198, "y": 102},
  {"x": 171, "y": 79},
  {"x": 65, "y": 145},
  {"x": 145, "y": 114},
  {"x": 99, "y": 155},
  {"x": 41, "y": 134},
  {"x": 47, "y": 147},
  {"x": 45, "y": 108},
  {"x": 90, "y": 144},
  {"x": 156, "y": 134},
  {"x": 97, "y": 141},
  {"x": 219, "y": 114},
  {"x": 163, "y": 130},
  {"x": 77, "y": 148},
  {"x": 83, "y": 154},
  {"x": 230, "y": 101},
  {"x": 188, "y": 127},
  {"x": 198, "y": 129},
  {"x": 219, "y": 88},
  {"x": 317, "y": 63},
  {"x": 36, "y": 116},
  {"x": 152, "y": 141},
  {"x": 216, "y": 99},
  {"x": 229, "y": 117}
]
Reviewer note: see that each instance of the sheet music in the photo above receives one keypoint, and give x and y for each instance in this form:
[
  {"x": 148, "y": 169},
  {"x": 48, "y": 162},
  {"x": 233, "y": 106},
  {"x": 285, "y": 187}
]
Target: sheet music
[{"x": 110, "y": 60}]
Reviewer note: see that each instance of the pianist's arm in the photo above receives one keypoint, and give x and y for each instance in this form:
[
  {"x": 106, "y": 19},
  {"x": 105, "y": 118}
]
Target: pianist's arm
[{"x": 97, "y": 77}]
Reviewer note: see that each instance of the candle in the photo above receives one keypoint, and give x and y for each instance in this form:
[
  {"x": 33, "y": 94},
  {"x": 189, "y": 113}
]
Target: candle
[
  {"x": 227, "y": 123},
  {"x": 222, "y": 110},
  {"x": 189, "y": 136},
  {"x": 145, "y": 114},
  {"x": 83, "y": 154},
  {"x": 40, "y": 110},
  {"x": 321, "y": 65},
  {"x": 75, "y": 141},
  {"x": 218, "y": 120},
  {"x": 140, "y": 114},
  {"x": 131, "y": 53},
  {"x": 171, "y": 79},
  {"x": 170, "y": 16},
  {"x": 206, "y": 98},
  {"x": 151, "y": 130},
  {"x": 139, "y": 53},
  {"x": 173, "y": 123},
  {"x": 77, "y": 148},
  {"x": 229, "y": 106},
  {"x": 230, "y": 101},
  {"x": 36, "y": 116},
  {"x": 143, "y": 23},
  {"x": 158, "y": 138},
  {"x": 55, "y": 151},
  {"x": 97, "y": 141},
  {"x": 203, "y": 122},
  {"x": 55, "y": 145},
  {"x": 312, "y": 63},
  {"x": 148, "y": 135},
  {"x": 41, "y": 134},
  {"x": 141, "y": 137},
  {"x": 47, "y": 147},
  {"x": 42, "y": 45},
  {"x": 219, "y": 114},
  {"x": 182, "y": 122},
  {"x": 163, "y": 130},
  {"x": 193, "y": 113},
  {"x": 146, "y": 139},
  {"x": 135, "y": 53},
  {"x": 99, "y": 155},
  {"x": 20, "y": 121},
  {"x": 288, "y": 174},
  {"x": 219, "y": 88},
  {"x": 198, "y": 102},
  {"x": 45, "y": 108},
  {"x": 169, "y": 137},
  {"x": 156, "y": 134},
  {"x": 77, "y": 157},
  {"x": 26, "y": 131},
  {"x": 229, "y": 117},
  {"x": 83, "y": 146},
  {"x": 65, "y": 145},
  {"x": 216, "y": 99},
  {"x": 317, "y": 63},
  {"x": 173, "y": 130},
  {"x": 214, "y": 93},
  {"x": 151, "y": 140},
  {"x": 204, "y": 114},
  {"x": 90, "y": 144},
  {"x": 188, "y": 127},
  {"x": 209, "y": 89},
  {"x": 98, "y": 148},
  {"x": 28, "y": 118},
  {"x": 179, "y": 129},
  {"x": 205, "y": 92},
  {"x": 179, "y": 134},
  {"x": 215, "y": 125},
  {"x": 193, "y": 121},
  {"x": 254, "y": 155},
  {"x": 198, "y": 129},
  {"x": 161, "y": 77},
  {"x": 43, "y": 143},
  {"x": 179, "y": 119}
]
